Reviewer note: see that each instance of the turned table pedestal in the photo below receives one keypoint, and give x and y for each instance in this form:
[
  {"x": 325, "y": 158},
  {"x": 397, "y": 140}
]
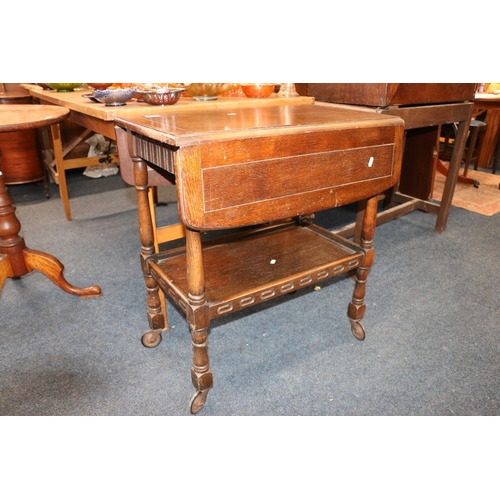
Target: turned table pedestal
[{"x": 16, "y": 259}]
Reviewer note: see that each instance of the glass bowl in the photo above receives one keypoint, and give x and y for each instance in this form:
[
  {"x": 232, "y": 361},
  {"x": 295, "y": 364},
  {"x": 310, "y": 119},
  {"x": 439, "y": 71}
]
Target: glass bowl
[
  {"x": 258, "y": 90},
  {"x": 161, "y": 96},
  {"x": 114, "y": 97},
  {"x": 207, "y": 91},
  {"x": 64, "y": 87}
]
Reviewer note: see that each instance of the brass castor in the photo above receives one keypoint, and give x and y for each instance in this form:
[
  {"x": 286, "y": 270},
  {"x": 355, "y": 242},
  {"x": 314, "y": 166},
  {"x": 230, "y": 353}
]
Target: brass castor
[
  {"x": 198, "y": 401},
  {"x": 358, "y": 329},
  {"x": 151, "y": 339}
]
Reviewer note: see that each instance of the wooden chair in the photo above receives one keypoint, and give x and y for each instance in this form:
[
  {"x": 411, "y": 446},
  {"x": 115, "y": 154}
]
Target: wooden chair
[
  {"x": 471, "y": 150},
  {"x": 476, "y": 130}
]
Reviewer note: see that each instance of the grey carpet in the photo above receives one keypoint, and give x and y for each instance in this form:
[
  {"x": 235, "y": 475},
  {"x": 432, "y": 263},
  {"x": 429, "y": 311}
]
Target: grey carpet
[{"x": 432, "y": 321}]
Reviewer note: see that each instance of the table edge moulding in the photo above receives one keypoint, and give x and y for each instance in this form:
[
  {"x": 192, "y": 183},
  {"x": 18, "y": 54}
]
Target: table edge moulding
[{"x": 260, "y": 173}]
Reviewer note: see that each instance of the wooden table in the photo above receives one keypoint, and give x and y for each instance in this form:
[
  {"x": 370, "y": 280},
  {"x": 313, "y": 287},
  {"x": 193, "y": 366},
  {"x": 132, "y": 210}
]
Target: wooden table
[
  {"x": 261, "y": 171},
  {"x": 16, "y": 259},
  {"x": 490, "y": 102},
  {"x": 14, "y": 94},
  {"x": 413, "y": 190},
  {"x": 99, "y": 118}
]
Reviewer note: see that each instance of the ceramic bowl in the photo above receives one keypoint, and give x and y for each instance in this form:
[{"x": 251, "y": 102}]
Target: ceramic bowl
[
  {"x": 114, "y": 97},
  {"x": 99, "y": 86},
  {"x": 207, "y": 91},
  {"x": 162, "y": 96},
  {"x": 64, "y": 87},
  {"x": 258, "y": 90}
]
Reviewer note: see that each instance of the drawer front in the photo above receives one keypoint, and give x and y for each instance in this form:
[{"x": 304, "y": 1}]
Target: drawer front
[{"x": 318, "y": 175}]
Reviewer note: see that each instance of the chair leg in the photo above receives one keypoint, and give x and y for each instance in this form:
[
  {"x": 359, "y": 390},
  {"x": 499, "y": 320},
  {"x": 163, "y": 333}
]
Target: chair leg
[
  {"x": 470, "y": 150},
  {"x": 496, "y": 157}
]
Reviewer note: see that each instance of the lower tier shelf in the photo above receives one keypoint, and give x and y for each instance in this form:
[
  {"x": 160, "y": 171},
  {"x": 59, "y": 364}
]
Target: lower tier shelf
[{"x": 258, "y": 265}]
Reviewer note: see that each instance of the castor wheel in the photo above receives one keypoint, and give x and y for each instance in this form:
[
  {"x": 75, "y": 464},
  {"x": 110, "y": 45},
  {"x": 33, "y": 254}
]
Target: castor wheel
[
  {"x": 476, "y": 184},
  {"x": 357, "y": 329},
  {"x": 151, "y": 339},
  {"x": 198, "y": 401}
]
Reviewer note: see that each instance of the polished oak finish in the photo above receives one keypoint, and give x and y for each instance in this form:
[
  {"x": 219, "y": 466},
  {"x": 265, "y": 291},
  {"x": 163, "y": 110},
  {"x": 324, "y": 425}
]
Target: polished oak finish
[
  {"x": 16, "y": 259},
  {"x": 259, "y": 172}
]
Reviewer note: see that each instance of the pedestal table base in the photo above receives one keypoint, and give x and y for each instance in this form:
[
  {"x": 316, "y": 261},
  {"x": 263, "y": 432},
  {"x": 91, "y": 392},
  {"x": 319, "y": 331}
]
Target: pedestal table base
[{"x": 16, "y": 259}]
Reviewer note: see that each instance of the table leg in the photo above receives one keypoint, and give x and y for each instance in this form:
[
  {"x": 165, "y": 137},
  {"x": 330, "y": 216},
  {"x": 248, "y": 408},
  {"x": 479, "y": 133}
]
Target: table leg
[
  {"x": 156, "y": 316},
  {"x": 356, "y": 308},
  {"x": 153, "y": 199},
  {"x": 452, "y": 177},
  {"x": 61, "y": 172},
  {"x": 198, "y": 319},
  {"x": 53, "y": 269}
]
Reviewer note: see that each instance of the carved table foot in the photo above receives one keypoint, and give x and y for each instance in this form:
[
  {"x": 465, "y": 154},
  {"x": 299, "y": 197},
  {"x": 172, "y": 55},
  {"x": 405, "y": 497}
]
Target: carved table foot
[{"x": 53, "y": 269}]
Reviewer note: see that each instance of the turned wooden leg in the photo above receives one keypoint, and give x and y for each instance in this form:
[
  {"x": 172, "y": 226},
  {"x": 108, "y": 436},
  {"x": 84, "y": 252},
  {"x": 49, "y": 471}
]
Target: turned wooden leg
[
  {"x": 356, "y": 309},
  {"x": 18, "y": 260},
  {"x": 156, "y": 317},
  {"x": 198, "y": 319},
  {"x": 153, "y": 199}
]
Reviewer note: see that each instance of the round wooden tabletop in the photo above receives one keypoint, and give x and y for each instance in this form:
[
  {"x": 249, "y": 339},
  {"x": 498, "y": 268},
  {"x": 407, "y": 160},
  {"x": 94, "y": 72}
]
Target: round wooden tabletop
[
  {"x": 25, "y": 116},
  {"x": 14, "y": 98}
]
